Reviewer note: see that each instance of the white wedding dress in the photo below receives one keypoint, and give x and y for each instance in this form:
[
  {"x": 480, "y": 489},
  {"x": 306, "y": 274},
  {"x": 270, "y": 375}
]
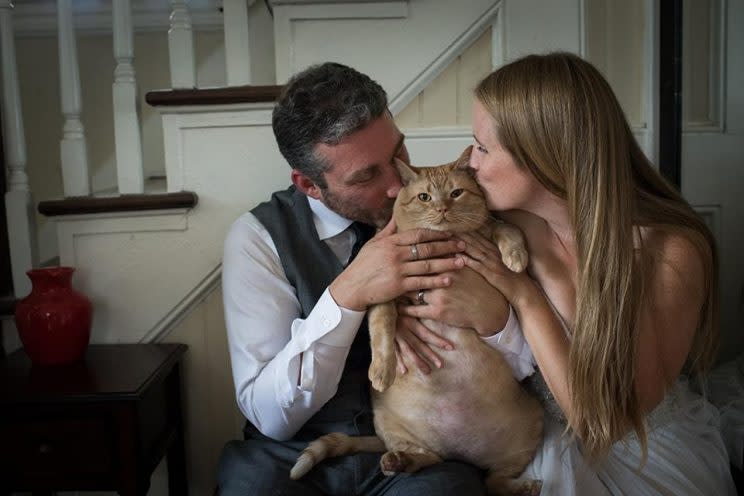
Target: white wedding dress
[{"x": 686, "y": 455}]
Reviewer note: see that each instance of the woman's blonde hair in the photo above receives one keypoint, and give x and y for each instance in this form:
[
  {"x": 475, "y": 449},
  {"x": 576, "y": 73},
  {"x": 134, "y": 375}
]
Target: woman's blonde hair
[{"x": 559, "y": 118}]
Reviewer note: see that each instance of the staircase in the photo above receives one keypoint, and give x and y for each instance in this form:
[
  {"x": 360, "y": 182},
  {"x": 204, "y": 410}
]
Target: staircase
[{"x": 219, "y": 149}]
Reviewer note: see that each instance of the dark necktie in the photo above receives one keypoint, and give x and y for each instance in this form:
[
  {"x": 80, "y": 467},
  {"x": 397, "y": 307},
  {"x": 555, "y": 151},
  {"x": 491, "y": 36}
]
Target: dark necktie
[
  {"x": 363, "y": 234},
  {"x": 360, "y": 353}
]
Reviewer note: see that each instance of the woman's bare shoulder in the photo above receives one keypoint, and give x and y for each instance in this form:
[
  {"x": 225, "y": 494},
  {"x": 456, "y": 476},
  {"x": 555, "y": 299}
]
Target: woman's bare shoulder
[
  {"x": 678, "y": 263},
  {"x": 671, "y": 310},
  {"x": 677, "y": 292}
]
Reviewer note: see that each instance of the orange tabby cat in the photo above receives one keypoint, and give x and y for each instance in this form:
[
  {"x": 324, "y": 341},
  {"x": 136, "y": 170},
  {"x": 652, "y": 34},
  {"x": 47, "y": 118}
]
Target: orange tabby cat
[{"x": 473, "y": 409}]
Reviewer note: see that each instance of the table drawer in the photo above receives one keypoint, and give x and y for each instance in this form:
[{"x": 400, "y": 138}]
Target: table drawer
[{"x": 55, "y": 446}]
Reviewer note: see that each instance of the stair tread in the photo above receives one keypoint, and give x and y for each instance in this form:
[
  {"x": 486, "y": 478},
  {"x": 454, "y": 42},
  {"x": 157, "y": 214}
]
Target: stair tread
[{"x": 119, "y": 203}]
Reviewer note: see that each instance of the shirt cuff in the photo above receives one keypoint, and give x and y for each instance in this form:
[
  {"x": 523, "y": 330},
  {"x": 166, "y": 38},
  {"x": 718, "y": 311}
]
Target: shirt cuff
[
  {"x": 344, "y": 324},
  {"x": 328, "y": 324},
  {"x": 509, "y": 337},
  {"x": 513, "y": 347}
]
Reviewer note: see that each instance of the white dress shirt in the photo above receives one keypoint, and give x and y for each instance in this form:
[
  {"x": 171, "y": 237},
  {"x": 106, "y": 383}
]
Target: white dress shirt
[{"x": 286, "y": 368}]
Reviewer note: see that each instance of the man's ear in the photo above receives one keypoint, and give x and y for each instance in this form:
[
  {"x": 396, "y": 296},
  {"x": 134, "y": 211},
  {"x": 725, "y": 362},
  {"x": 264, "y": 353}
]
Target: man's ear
[
  {"x": 407, "y": 172},
  {"x": 305, "y": 184},
  {"x": 464, "y": 161}
]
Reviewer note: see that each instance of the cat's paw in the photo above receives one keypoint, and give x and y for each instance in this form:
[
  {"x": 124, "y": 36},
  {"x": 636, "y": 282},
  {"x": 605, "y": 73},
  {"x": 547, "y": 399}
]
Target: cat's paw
[
  {"x": 530, "y": 488},
  {"x": 515, "y": 259},
  {"x": 381, "y": 374},
  {"x": 514, "y": 487},
  {"x": 394, "y": 462}
]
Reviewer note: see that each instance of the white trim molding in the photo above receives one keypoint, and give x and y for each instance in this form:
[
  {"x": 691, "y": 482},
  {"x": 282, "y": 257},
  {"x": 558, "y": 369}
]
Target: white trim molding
[
  {"x": 651, "y": 86},
  {"x": 489, "y": 19},
  {"x": 715, "y": 69},
  {"x": 180, "y": 120},
  {"x": 437, "y": 145},
  {"x": 582, "y": 28},
  {"x": 72, "y": 227},
  {"x": 498, "y": 37},
  {"x": 287, "y": 14},
  {"x": 183, "y": 309},
  {"x": 39, "y": 18},
  {"x": 711, "y": 214},
  {"x": 454, "y": 132}
]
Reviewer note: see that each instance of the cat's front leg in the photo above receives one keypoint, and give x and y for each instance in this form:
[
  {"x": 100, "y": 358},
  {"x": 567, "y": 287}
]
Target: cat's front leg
[
  {"x": 512, "y": 245},
  {"x": 382, "y": 319}
]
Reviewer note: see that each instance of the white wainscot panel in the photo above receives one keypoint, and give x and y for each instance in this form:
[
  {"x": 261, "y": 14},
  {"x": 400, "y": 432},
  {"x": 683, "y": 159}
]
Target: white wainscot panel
[{"x": 436, "y": 146}]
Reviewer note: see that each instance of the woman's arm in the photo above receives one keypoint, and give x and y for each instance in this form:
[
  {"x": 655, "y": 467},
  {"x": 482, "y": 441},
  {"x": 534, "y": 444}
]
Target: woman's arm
[{"x": 668, "y": 320}]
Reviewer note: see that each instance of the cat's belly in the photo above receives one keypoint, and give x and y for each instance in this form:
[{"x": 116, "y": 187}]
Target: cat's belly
[{"x": 471, "y": 409}]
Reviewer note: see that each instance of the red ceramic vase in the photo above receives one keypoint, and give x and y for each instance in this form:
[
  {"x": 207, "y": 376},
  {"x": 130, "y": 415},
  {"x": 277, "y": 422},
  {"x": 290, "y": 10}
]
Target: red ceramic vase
[{"x": 54, "y": 320}]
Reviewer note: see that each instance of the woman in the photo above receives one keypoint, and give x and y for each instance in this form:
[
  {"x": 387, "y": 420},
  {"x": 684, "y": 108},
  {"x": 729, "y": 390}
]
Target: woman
[{"x": 621, "y": 295}]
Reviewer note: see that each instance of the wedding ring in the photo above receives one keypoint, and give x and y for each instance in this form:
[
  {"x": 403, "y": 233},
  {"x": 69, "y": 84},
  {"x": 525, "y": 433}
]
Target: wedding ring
[
  {"x": 414, "y": 251},
  {"x": 420, "y": 297}
]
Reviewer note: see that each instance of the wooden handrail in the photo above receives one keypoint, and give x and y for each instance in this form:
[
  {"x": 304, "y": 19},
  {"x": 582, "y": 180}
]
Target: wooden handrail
[
  {"x": 214, "y": 96},
  {"x": 123, "y": 203}
]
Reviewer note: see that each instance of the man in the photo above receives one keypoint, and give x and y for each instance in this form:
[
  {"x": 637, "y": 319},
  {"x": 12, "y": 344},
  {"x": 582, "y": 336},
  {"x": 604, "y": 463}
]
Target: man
[{"x": 295, "y": 301}]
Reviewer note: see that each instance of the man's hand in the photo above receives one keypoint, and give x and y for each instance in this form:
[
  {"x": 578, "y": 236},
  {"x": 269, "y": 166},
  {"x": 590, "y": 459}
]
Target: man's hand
[
  {"x": 391, "y": 264},
  {"x": 468, "y": 301},
  {"x": 415, "y": 345}
]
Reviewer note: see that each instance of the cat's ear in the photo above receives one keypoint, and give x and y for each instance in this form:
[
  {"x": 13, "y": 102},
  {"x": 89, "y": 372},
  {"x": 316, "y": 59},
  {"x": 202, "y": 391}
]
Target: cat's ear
[
  {"x": 464, "y": 161},
  {"x": 407, "y": 173}
]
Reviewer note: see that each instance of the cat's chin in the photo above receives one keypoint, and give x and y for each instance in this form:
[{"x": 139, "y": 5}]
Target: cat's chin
[{"x": 453, "y": 227}]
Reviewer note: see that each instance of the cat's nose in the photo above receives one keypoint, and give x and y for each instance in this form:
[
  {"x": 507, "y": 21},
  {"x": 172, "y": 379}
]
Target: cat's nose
[{"x": 441, "y": 209}]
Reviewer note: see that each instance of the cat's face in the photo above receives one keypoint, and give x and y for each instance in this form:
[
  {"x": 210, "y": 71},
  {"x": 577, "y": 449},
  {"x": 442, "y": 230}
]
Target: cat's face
[{"x": 443, "y": 198}]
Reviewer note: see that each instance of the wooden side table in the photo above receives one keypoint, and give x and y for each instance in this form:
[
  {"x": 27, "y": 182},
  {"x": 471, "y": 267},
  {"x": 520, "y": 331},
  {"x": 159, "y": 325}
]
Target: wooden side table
[{"x": 103, "y": 423}]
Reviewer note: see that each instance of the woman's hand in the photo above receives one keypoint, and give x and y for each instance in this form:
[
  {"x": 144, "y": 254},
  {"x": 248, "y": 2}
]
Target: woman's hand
[
  {"x": 391, "y": 264},
  {"x": 469, "y": 301},
  {"x": 415, "y": 345},
  {"x": 484, "y": 257}
]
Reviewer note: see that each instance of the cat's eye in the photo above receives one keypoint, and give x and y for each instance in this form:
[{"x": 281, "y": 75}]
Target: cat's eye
[
  {"x": 424, "y": 197},
  {"x": 456, "y": 192}
]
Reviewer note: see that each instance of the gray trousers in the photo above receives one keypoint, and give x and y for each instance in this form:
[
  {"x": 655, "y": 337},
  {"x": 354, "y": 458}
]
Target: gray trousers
[{"x": 260, "y": 466}]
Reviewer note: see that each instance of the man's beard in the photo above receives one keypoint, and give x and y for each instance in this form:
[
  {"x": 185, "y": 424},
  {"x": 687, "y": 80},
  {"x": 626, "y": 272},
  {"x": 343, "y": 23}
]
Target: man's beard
[{"x": 349, "y": 209}]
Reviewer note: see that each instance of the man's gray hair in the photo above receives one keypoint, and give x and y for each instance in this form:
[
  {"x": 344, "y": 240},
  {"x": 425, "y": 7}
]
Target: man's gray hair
[{"x": 323, "y": 104}]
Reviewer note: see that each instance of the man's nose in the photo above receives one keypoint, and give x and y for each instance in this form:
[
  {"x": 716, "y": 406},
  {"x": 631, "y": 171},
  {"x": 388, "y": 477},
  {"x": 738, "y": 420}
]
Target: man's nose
[{"x": 394, "y": 185}]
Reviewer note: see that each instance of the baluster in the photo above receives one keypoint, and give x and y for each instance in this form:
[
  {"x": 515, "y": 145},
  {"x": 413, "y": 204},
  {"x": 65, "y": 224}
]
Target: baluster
[
  {"x": 126, "y": 121},
  {"x": 19, "y": 203},
  {"x": 237, "y": 42},
  {"x": 74, "y": 153},
  {"x": 181, "y": 46}
]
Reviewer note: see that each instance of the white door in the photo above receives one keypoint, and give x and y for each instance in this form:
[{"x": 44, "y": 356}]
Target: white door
[{"x": 712, "y": 173}]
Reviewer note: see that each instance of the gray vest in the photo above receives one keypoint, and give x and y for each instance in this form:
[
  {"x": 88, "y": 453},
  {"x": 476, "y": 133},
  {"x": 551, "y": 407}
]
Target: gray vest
[{"x": 310, "y": 266}]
